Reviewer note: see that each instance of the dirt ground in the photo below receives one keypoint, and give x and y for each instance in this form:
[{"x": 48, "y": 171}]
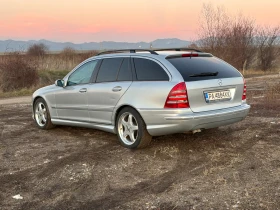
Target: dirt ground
[{"x": 232, "y": 167}]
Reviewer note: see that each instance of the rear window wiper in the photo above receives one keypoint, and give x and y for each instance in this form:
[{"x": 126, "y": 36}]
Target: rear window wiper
[{"x": 204, "y": 74}]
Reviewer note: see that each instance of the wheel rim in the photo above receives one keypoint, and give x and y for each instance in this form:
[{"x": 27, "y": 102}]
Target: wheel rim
[
  {"x": 128, "y": 128},
  {"x": 41, "y": 114}
]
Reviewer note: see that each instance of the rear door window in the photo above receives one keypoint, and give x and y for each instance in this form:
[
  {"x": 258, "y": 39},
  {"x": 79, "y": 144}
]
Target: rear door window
[
  {"x": 109, "y": 69},
  {"x": 148, "y": 70},
  {"x": 125, "y": 72},
  {"x": 188, "y": 67}
]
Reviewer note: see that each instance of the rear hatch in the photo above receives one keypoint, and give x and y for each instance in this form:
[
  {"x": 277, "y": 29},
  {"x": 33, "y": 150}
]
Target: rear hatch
[{"x": 211, "y": 83}]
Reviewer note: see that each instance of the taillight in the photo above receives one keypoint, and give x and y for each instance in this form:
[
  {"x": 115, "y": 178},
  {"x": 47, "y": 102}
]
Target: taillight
[
  {"x": 244, "y": 90},
  {"x": 178, "y": 97}
]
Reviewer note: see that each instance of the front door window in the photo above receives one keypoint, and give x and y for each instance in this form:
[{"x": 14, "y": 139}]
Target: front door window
[{"x": 82, "y": 75}]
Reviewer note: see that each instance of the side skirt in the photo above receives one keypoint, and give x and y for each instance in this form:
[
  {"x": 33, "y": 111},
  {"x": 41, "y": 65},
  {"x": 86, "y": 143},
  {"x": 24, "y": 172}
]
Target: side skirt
[{"x": 103, "y": 127}]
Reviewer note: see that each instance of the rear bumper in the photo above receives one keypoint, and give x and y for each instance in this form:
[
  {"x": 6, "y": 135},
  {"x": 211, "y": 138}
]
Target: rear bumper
[{"x": 162, "y": 122}]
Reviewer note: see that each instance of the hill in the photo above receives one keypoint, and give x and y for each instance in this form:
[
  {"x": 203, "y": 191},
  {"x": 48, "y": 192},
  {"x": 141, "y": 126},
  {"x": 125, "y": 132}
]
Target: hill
[{"x": 13, "y": 45}]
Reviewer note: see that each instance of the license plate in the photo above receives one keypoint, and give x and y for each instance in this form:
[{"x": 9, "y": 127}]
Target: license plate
[{"x": 223, "y": 95}]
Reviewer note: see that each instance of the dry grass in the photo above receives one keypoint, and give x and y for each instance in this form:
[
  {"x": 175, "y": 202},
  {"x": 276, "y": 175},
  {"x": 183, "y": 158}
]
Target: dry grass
[
  {"x": 264, "y": 93},
  {"x": 273, "y": 91},
  {"x": 17, "y": 93},
  {"x": 272, "y": 95},
  {"x": 45, "y": 78},
  {"x": 255, "y": 72},
  {"x": 56, "y": 61},
  {"x": 50, "y": 66},
  {"x": 17, "y": 72},
  {"x": 48, "y": 77}
]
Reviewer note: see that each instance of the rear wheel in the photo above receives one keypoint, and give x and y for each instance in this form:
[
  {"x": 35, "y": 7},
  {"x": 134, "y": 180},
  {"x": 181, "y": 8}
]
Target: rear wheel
[
  {"x": 131, "y": 129},
  {"x": 42, "y": 114}
]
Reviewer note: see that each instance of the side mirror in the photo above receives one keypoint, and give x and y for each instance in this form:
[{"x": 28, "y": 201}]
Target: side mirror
[{"x": 59, "y": 82}]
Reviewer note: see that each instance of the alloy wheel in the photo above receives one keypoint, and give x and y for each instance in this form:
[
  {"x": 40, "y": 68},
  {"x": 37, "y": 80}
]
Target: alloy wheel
[
  {"x": 41, "y": 114},
  {"x": 128, "y": 128}
]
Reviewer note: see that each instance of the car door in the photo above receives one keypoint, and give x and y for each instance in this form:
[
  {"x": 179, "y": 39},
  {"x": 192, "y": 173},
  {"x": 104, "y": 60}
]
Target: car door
[
  {"x": 113, "y": 79},
  {"x": 71, "y": 100}
]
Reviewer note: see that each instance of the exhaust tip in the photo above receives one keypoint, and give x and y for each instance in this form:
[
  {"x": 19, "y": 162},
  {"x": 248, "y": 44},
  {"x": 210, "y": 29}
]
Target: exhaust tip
[{"x": 196, "y": 131}]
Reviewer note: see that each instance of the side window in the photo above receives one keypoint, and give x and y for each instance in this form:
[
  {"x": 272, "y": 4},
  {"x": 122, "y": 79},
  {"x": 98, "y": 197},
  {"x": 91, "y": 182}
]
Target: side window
[
  {"x": 82, "y": 75},
  {"x": 125, "y": 72},
  {"x": 109, "y": 70},
  {"x": 148, "y": 70}
]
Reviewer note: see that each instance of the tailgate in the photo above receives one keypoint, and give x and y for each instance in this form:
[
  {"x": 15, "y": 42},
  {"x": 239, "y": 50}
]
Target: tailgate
[
  {"x": 211, "y": 83},
  {"x": 206, "y": 95}
]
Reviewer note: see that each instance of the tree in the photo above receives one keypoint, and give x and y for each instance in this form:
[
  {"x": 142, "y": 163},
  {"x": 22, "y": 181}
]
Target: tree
[
  {"x": 239, "y": 42},
  {"x": 228, "y": 37},
  {"x": 37, "y": 50},
  {"x": 268, "y": 41},
  {"x": 214, "y": 23}
]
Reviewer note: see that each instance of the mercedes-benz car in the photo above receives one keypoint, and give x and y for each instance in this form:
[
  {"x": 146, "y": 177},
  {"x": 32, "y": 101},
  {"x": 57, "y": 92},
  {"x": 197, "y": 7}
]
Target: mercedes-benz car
[{"x": 138, "y": 94}]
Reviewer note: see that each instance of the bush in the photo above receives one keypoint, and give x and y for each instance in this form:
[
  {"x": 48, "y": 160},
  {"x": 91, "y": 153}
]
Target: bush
[
  {"x": 17, "y": 72},
  {"x": 68, "y": 53},
  {"x": 37, "y": 50},
  {"x": 49, "y": 77}
]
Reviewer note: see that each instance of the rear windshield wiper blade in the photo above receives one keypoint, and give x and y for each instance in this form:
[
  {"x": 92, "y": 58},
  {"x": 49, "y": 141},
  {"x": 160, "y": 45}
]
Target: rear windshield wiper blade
[{"x": 205, "y": 74}]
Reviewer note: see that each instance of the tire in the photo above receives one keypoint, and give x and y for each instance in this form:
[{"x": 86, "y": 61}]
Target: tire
[
  {"x": 42, "y": 115},
  {"x": 131, "y": 129}
]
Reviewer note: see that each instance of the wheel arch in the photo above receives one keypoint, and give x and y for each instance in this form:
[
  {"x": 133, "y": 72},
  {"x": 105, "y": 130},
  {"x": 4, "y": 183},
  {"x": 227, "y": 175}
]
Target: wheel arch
[
  {"x": 35, "y": 99},
  {"x": 140, "y": 142},
  {"x": 46, "y": 101},
  {"x": 117, "y": 111}
]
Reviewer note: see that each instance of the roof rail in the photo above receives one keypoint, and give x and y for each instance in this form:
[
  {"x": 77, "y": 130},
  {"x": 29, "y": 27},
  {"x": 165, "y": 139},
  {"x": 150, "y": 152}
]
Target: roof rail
[
  {"x": 178, "y": 49},
  {"x": 125, "y": 50},
  {"x": 148, "y": 50}
]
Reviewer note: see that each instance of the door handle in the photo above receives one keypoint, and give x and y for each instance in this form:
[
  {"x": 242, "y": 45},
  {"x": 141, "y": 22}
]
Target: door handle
[
  {"x": 117, "y": 88},
  {"x": 83, "y": 90}
]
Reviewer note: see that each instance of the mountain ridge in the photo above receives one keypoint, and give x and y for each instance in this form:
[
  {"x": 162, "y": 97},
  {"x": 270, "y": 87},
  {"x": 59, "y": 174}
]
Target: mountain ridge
[{"x": 17, "y": 45}]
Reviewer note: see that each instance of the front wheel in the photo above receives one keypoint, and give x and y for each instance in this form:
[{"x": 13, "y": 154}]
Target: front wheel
[
  {"x": 42, "y": 114},
  {"x": 131, "y": 129}
]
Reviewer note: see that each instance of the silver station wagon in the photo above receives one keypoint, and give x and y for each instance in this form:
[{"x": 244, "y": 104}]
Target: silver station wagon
[{"x": 138, "y": 94}]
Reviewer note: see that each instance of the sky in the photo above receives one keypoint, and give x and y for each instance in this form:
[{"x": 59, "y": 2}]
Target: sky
[{"x": 81, "y": 21}]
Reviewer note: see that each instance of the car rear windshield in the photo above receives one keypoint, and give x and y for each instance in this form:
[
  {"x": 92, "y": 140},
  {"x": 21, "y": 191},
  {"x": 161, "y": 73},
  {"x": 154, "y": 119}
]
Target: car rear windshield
[{"x": 203, "y": 68}]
